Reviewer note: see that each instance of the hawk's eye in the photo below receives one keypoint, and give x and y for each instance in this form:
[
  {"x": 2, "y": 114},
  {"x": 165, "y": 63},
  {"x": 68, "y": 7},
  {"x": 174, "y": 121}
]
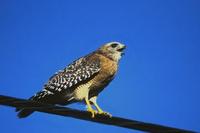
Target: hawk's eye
[{"x": 114, "y": 45}]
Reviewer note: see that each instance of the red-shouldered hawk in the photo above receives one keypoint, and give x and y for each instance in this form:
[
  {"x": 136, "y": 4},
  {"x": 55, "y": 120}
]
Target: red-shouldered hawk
[{"x": 81, "y": 81}]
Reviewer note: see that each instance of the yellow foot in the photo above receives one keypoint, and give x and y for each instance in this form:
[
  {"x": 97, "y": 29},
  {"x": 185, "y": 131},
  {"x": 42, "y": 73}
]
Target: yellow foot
[
  {"x": 92, "y": 112},
  {"x": 105, "y": 113}
]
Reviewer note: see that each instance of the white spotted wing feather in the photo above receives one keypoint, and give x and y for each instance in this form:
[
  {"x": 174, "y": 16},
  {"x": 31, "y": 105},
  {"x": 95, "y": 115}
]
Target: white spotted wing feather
[{"x": 65, "y": 81}]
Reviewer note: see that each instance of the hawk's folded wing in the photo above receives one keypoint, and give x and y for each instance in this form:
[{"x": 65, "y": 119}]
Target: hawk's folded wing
[{"x": 74, "y": 74}]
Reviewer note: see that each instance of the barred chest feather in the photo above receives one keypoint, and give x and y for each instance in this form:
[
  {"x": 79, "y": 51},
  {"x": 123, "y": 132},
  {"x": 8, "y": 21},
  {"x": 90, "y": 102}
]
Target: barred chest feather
[{"x": 105, "y": 76}]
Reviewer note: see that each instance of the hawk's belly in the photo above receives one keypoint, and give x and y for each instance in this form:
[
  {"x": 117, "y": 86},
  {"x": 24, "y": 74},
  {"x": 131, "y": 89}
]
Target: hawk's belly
[
  {"x": 82, "y": 91},
  {"x": 91, "y": 88},
  {"x": 99, "y": 85}
]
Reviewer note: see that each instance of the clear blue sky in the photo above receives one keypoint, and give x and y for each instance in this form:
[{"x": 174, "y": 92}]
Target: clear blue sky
[{"x": 158, "y": 80}]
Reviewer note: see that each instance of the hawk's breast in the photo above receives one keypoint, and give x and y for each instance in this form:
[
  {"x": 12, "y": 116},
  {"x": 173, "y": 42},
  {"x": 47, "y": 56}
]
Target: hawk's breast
[{"x": 105, "y": 75}]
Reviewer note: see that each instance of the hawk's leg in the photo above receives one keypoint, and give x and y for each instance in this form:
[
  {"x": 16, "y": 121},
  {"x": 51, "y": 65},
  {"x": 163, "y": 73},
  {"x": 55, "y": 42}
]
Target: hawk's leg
[
  {"x": 100, "y": 111},
  {"x": 89, "y": 107}
]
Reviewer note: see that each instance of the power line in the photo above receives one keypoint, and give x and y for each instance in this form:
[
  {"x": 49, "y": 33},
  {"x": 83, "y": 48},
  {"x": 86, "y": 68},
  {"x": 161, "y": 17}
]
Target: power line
[{"x": 84, "y": 115}]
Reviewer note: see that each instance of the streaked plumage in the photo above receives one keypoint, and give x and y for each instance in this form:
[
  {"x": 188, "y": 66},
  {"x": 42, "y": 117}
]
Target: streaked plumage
[{"x": 82, "y": 80}]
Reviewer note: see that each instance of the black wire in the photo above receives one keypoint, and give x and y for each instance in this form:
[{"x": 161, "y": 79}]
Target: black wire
[{"x": 84, "y": 115}]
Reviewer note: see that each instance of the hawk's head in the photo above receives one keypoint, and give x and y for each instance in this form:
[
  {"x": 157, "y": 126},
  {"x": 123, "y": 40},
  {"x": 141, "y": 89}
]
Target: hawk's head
[{"x": 113, "y": 50}]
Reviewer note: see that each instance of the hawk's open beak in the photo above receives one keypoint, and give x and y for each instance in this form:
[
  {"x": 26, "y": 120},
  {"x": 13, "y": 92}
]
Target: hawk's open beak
[{"x": 121, "y": 49}]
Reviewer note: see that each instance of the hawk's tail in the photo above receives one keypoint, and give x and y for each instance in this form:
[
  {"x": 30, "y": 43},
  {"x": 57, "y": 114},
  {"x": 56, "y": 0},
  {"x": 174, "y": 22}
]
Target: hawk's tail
[{"x": 24, "y": 112}]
